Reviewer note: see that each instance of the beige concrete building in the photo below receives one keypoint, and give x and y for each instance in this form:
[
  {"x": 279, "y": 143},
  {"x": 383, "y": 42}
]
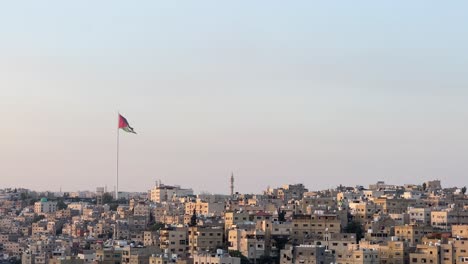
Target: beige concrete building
[
  {"x": 204, "y": 239},
  {"x": 109, "y": 255},
  {"x": 305, "y": 225},
  {"x": 338, "y": 243},
  {"x": 233, "y": 218},
  {"x": 250, "y": 243},
  {"x": 444, "y": 219},
  {"x": 460, "y": 231},
  {"x": 391, "y": 252},
  {"x": 420, "y": 215},
  {"x": 364, "y": 211},
  {"x": 164, "y": 193},
  {"x": 65, "y": 260},
  {"x": 138, "y": 255},
  {"x": 142, "y": 209},
  {"x": 214, "y": 259},
  {"x": 380, "y": 229},
  {"x": 394, "y": 205},
  {"x": 204, "y": 208},
  {"x": 174, "y": 240},
  {"x": 429, "y": 253},
  {"x": 412, "y": 234},
  {"x": 150, "y": 238},
  {"x": 307, "y": 254},
  {"x": 360, "y": 256}
]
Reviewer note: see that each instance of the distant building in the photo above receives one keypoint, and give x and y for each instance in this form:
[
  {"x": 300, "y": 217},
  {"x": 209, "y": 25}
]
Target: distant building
[
  {"x": 204, "y": 239},
  {"x": 215, "y": 259},
  {"x": 164, "y": 193},
  {"x": 44, "y": 206},
  {"x": 310, "y": 254}
]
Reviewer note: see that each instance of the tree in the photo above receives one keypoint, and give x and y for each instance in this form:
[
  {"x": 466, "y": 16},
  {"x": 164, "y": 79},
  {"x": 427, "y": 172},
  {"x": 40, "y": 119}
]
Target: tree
[
  {"x": 266, "y": 260},
  {"x": 281, "y": 241},
  {"x": 107, "y": 198},
  {"x": 356, "y": 228},
  {"x": 281, "y": 216},
  {"x": 113, "y": 206},
  {"x": 38, "y": 218},
  {"x": 61, "y": 205},
  {"x": 424, "y": 186},
  {"x": 24, "y": 196},
  {"x": 463, "y": 190},
  {"x": 156, "y": 226},
  {"x": 193, "y": 219},
  {"x": 238, "y": 254}
]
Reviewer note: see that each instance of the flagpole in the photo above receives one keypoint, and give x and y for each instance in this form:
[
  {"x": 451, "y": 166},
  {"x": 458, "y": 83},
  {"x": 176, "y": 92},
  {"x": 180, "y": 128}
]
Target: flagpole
[{"x": 117, "y": 171}]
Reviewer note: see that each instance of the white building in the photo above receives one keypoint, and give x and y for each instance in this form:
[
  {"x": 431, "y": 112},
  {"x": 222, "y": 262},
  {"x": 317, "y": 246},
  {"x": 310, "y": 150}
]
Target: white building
[
  {"x": 164, "y": 193},
  {"x": 44, "y": 206}
]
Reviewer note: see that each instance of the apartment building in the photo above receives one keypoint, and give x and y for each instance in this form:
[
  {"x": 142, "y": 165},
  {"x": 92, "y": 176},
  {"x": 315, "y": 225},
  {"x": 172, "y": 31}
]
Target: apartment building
[
  {"x": 305, "y": 225},
  {"x": 204, "y": 208},
  {"x": 412, "y": 234},
  {"x": 206, "y": 258},
  {"x": 45, "y": 207},
  {"x": 420, "y": 215},
  {"x": 360, "y": 256},
  {"x": 204, "y": 238},
  {"x": 394, "y": 205},
  {"x": 307, "y": 254},
  {"x": 233, "y": 218},
  {"x": 174, "y": 240},
  {"x": 445, "y": 219},
  {"x": 164, "y": 193}
]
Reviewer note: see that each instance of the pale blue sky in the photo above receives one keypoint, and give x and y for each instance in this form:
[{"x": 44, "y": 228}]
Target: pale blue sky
[{"x": 278, "y": 92}]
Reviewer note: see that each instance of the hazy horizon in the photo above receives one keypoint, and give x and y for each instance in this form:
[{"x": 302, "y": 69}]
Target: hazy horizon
[{"x": 315, "y": 93}]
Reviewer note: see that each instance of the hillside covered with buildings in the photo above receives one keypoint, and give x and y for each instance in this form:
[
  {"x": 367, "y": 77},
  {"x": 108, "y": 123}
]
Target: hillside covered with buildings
[{"x": 412, "y": 223}]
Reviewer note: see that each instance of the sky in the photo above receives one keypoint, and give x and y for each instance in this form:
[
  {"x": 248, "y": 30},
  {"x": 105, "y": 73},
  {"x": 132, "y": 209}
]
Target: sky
[{"x": 315, "y": 92}]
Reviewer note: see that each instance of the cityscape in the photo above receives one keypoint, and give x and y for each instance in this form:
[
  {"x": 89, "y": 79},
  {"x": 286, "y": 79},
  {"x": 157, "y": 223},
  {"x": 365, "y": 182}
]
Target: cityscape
[
  {"x": 233, "y": 132},
  {"x": 379, "y": 223}
]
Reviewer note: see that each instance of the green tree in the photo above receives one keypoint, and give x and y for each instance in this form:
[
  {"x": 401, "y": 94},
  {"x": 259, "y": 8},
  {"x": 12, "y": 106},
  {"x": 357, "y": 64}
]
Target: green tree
[
  {"x": 463, "y": 190},
  {"x": 267, "y": 260},
  {"x": 281, "y": 216},
  {"x": 38, "y": 218},
  {"x": 424, "y": 186},
  {"x": 193, "y": 219},
  {"x": 113, "y": 206},
  {"x": 356, "y": 228},
  {"x": 61, "y": 205},
  {"x": 156, "y": 226},
  {"x": 281, "y": 241},
  {"x": 107, "y": 198},
  {"x": 24, "y": 196},
  {"x": 238, "y": 254}
]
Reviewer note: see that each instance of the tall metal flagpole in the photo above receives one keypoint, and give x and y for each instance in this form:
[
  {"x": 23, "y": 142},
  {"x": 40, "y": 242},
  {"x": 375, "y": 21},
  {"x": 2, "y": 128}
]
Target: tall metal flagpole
[{"x": 118, "y": 132}]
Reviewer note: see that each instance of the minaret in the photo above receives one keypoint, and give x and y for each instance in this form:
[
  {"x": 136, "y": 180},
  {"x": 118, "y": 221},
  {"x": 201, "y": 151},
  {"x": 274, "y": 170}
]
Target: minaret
[{"x": 232, "y": 184}]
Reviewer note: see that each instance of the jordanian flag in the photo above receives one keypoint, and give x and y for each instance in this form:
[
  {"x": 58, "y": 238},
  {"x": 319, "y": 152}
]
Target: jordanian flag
[{"x": 123, "y": 124}]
